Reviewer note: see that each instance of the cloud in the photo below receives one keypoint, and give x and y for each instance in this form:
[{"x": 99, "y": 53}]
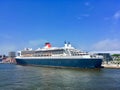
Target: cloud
[
  {"x": 89, "y": 6},
  {"x": 5, "y": 36},
  {"x": 116, "y": 16},
  {"x": 34, "y": 43},
  {"x": 87, "y": 3},
  {"x": 107, "y": 18},
  {"x": 113, "y": 21},
  {"x": 5, "y": 48},
  {"x": 83, "y": 16},
  {"x": 107, "y": 44}
]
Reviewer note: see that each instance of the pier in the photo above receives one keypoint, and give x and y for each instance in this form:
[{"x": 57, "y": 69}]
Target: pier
[
  {"x": 9, "y": 60},
  {"x": 111, "y": 64}
]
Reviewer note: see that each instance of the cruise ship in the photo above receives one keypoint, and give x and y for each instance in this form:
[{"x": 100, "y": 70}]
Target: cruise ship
[
  {"x": 66, "y": 56},
  {"x": 0, "y": 59}
]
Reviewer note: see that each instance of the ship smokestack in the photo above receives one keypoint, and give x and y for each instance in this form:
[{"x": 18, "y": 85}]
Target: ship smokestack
[{"x": 47, "y": 45}]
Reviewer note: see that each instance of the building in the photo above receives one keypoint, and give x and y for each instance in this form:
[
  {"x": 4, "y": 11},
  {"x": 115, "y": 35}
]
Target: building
[
  {"x": 106, "y": 56},
  {"x": 12, "y": 54}
]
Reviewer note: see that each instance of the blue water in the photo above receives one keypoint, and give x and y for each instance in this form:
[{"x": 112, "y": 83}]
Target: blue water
[{"x": 16, "y": 77}]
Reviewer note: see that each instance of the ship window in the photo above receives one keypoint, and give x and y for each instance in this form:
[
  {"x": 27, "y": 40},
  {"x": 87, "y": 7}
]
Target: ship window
[{"x": 18, "y": 54}]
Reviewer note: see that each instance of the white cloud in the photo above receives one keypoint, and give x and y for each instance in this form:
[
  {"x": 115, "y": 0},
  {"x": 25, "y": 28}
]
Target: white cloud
[
  {"x": 87, "y": 3},
  {"x": 5, "y": 36},
  {"x": 117, "y": 15},
  {"x": 107, "y": 18},
  {"x": 83, "y": 16},
  {"x": 5, "y": 48},
  {"x": 34, "y": 43},
  {"x": 89, "y": 6},
  {"x": 113, "y": 22},
  {"x": 114, "y": 18},
  {"x": 107, "y": 44},
  {"x": 9, "y": 46}
]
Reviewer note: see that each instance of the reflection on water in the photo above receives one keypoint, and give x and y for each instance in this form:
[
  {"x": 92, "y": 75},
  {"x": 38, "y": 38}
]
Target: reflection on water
[{"x": 16, "y": 77}]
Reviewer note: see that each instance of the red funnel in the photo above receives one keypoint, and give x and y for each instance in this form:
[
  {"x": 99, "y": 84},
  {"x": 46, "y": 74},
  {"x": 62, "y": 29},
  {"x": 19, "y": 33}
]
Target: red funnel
[{"x": 48, "y": 45}]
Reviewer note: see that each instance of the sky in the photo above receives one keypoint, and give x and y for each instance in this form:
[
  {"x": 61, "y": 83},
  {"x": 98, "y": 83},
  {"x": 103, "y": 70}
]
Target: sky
[{"x": 91, "y": 25}]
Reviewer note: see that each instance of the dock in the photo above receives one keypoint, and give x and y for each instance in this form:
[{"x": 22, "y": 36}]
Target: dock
[
  {"x": 9, "y": 60},
  {"x": 111, "y": 65}
]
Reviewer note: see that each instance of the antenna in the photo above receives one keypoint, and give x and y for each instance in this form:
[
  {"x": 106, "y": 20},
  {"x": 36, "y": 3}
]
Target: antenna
[
  {"x": 69, "y": 45},
  {"x": 65, "y": 44},
  {"x": 68, "y": 42}
]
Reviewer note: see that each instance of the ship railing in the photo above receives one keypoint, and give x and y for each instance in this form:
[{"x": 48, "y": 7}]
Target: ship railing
[{"x": 61, "y": 57}]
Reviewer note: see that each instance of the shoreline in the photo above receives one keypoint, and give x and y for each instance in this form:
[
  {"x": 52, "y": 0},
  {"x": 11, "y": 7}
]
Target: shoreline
[{"x": 112, "y": 66}]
